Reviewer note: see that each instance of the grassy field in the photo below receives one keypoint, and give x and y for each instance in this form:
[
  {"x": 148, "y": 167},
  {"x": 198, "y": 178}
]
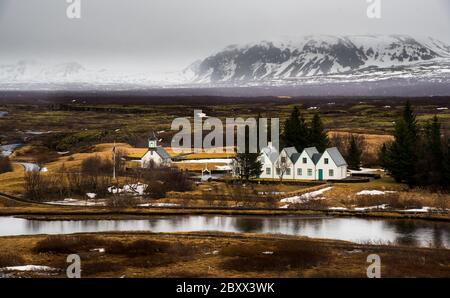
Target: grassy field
[
  {"x": 75, "y": 125},
  {"x": 134, "y": 255}
]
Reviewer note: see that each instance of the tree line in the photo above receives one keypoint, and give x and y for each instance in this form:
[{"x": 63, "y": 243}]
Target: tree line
[
  {"x": 419, "y": 155},
  {"x": 300, "y": 134}
]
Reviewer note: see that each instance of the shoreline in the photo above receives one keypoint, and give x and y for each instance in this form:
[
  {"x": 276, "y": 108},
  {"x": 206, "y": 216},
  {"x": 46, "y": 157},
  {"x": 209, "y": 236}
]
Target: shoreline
[
  {"x": 95, "y": 213},
  {"x": 217, "y": 255}
]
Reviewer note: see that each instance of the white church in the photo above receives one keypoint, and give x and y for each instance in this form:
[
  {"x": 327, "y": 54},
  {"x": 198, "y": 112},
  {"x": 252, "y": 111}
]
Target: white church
[
  {"x": 155, "y": 154},
  {"x": 310, "y": 164}
]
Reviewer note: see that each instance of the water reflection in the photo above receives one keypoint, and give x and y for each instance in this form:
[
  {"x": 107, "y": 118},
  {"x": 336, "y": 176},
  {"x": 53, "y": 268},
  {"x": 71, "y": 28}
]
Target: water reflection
[{"x": 407, "y": 232}]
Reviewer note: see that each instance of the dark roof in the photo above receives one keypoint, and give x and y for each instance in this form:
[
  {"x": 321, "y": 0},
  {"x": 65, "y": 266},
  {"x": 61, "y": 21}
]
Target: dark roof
[
  {"x": 336, "y": 156},
  {"x": 315, "y": 158},
  {"x": 295, "y": 157}
]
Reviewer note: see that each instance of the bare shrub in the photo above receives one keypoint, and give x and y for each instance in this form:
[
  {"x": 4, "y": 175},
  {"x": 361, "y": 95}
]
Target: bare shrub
[
  {"x": 67, "y": 244},
  {"x": 101, "y": 267},
  {"x": 96, "y": 166},
  {"x": 285, "y": 255},
  {"x": 5, "y": 164},
  {"x": 9, "y": 259},
  {"x": 161, "y": 180},
  {"x": 35, "y": 185},
  {"x": 393, "y": 200},
  {"x": 123, "y": 202}
]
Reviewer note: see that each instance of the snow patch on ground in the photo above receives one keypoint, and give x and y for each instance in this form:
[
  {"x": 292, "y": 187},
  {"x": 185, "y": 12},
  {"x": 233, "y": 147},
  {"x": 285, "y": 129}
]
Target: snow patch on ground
[
  {"x": 158, "y": 205},
  {"x": 307, "y": 196},
  {"x": 100, "y": 250},
  {"x": 91, "y": 195},
  {"x": 383, "y": 206},
  {"x": 223, "y": 168},
  {"x": 136, "y": 189},
  {"x": 337, "y": 208},
  {"x": 76, "y": 202},
  {"x": 374, "y": 192},
  {"x": 30, "y": 167},
  {"x": 365, "y": 171},
  {"x": 7, "y": 150},
  {"x": 421, "y": 210},
  {"x": 211, "y": 160},
  {"x": 29, "y": 268}
]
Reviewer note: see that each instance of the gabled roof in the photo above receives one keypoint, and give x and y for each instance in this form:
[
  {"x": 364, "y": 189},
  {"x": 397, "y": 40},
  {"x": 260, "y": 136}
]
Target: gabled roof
[
  {"x": 295, "y": 157},
  {"x": 311, "y": 151},
  {"x": 271, "y": 153},
  {"x": 336, "y": 156},
  {"x": 290, "y": 150},
  {"x": 161, "y": 152},
  {"x": 316, "y": 157}
]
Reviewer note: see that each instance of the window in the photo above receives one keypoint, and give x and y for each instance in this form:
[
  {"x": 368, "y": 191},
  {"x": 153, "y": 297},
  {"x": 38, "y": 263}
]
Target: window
[
  {"x": 278, "y": 172},
  {"x": 299, "y": 172},
  {"x": 304, "y": 159},
  {"x": 283, "y": 159},
  {"x": 288, "y": 171},
  {"x": 267, "y": 171},
  {"x": 331, "y": 173},
  {"x": 326, "y": 161},
  {"x": 309, "y": 172}
]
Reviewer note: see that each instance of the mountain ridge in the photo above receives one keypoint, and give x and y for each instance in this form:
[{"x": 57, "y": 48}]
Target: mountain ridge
[{"x": 316, "y": 55}]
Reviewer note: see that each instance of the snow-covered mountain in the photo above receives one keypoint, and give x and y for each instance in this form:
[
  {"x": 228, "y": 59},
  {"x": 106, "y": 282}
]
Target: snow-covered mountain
[
  {"x": 34, "y": 74},
  {"x": 323, "y": 64},
  {"x": 319, "y": 56}
]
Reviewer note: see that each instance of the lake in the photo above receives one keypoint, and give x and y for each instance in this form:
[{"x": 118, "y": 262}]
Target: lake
[{"x": 360, "y": 230}]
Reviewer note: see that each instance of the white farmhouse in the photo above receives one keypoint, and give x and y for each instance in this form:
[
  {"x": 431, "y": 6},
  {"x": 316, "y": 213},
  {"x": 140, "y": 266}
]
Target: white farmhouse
[
  {"x": 308, "y": 165},
  {"x": 305, "y": 164},
  {"x": 331, "y": 165},
  {"x": 155, "y": 155},
  {"x": 268, "y": 157}
]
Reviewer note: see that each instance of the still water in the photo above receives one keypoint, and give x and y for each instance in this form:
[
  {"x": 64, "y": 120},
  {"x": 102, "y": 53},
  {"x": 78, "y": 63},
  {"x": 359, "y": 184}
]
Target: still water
[{"x": 407, "y": 232}]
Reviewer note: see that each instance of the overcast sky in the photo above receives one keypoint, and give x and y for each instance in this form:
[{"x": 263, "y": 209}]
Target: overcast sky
[{"x": 167, "y": 35}]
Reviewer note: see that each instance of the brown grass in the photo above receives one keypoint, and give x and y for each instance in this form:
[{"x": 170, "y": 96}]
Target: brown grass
[
  {"x": 286, "y": 255},
  {"x": 240, "y": 255},
  {"x": 10, "y": 259}
]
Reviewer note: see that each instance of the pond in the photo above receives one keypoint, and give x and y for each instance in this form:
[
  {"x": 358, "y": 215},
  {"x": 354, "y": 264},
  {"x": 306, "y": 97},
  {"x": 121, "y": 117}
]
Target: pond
[{"x": 360, "y": 230}]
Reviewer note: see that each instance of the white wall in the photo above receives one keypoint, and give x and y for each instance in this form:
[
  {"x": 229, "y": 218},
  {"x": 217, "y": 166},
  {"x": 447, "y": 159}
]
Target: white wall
[
  {"x": 338, "y": 172},
  {"x": 308, "y": 165},
  {"x": 266, "y": 164},
  {"x": 289, "y": 164},
  {"x": 151, "y": 156}
]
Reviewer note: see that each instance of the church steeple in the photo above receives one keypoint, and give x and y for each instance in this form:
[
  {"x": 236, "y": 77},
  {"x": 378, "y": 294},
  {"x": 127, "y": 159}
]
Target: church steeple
[{"x": 152, "y": 141}]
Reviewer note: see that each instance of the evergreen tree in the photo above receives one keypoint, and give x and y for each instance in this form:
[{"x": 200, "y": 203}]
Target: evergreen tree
[
  {"x": 353, "y": 154},
  {"x": 401, "y": 155},
  {"x": 446, "y": 167},
  {"x": 249, "y": 166},
  {"x": 383, "y": 157},
  {"x": 434, "y": 155},
  {"x": 317, "y": 136},
  {"x": 295, "y": 131}
]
